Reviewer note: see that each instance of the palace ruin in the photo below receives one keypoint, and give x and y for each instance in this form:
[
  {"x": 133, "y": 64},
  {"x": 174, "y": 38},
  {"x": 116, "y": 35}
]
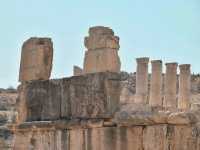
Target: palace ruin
[{"x": 100, "y": 107}]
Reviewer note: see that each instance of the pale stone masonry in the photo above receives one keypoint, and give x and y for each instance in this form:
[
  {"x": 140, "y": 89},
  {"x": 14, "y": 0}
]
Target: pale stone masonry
[
  {"x": 156, "y": 83},
  {"x": 102, "y": 51},
  {"x": 184, "y": 87},
  {"x": 36, "y": 59},
  {"x": 141, "y": 95},
  {"x": 85, "y": 111},
  {"x": 170, "y": 86}
]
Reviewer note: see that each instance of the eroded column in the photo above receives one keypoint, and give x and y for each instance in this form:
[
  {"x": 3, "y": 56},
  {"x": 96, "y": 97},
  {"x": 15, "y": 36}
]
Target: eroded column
[
  {"x": 156, "y": 83},
  {"x": 102, "y": 51},
  {"x": 142, "y": 80},
  {"x": 170, "y": 85},
  {"x": 184, "y": 86}
]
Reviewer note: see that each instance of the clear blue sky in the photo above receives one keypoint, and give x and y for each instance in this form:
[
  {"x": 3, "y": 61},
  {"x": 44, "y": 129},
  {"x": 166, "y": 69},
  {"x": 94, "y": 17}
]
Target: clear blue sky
[{"x": 168, "y": 30}]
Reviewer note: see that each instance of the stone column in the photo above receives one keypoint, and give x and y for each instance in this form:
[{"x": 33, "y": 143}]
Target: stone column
[
  {"x": 142, "y": 80},
  {"x": 170, "y": 85},
  {"x": 102, "y": 51},
  {"x": 36, "y": 59},
  {"x": 156, "y": 83},
  {"x": 184, "y": 86}
]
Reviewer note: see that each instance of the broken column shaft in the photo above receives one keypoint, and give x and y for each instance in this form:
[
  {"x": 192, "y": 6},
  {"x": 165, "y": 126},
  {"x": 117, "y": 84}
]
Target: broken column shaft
[
  {"x": 142, "y": 80},
  {"x": 184, "y": 86},
  {"x": 170, "y": 85},
  {"x": 102, "y": 51},
  {"x": 156, "y": 84}
]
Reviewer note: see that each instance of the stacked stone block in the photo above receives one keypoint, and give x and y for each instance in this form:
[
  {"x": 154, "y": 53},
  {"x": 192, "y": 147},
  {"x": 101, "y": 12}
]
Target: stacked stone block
[
  {"x": 102, "y": 51},
  {"x": 83, "y": 112}
]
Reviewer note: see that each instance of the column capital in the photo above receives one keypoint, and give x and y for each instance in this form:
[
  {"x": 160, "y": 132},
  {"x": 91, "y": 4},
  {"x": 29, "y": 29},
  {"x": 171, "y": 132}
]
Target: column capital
[
  {"x": 156, "y": 62},
  {"x": 171, "y": 64},
  {"x": 142, "y": 60},
  {"x": 184, "y": 66}
]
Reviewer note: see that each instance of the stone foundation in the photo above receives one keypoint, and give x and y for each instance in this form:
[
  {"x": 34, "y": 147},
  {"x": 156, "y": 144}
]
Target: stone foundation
[{"x": 99, "y": 136}]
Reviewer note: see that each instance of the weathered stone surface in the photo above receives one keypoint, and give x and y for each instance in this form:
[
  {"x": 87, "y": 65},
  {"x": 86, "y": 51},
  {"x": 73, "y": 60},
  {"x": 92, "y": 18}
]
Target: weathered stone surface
[
  {"x": 170, "y": 86},
  {"x": 38, "y": 140},
  {"x": 184, "y": 138},
  {"x": 36, "y": 59},
  {"x": 141, "y": 95},
  {"x": 158, "y": 137},
  {"x": 39, "y": 100},
  {"x": 154, "y": 137},
  {"x": 156, "y": 83},
  {"x": 184, "y": 96},
  {"x": 88, "y": 96},
  {"x": 101, "y": 37},
  {"x": 102, "y": 53},
  {"x": 182, "y": 118},
  {"x": 77, "y": 71},
  {"x": 101, "y": 61},
  {"x": 8, "y": 101},
  {"x": 132, "y": 114},
  {"x": 6, "y": 138},
  {"x": 195, "y": 107}
]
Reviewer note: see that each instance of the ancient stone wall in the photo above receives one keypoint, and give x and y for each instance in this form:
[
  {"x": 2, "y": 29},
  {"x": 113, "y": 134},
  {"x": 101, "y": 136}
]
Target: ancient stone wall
[{"x": 86, "y": 111}]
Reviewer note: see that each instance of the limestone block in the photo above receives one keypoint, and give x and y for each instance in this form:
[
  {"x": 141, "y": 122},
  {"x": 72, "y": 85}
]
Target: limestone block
[
  {"x": 154, "y": 137},
  {"x": 77, "y": 71},
  {"x": 182, "y": 118},
  {"x": 77, "y": 140},
  {"x": 102, "y": 61},
  {"x": 87, "y": 96},
  {"x": 114, "y": 138},
  {"x": 22, "y": 140},
  {"x": 101, "y": 37},
  {"x": 21, "y": 103},
  {"x": 38, "y": 140},
  {"x": 184, "y": 138},
  {"x": 132, "y": 114},
  {"x": 93, "y": 96},
  {"x": 129, "y": 138},
  {"x": 43, "y": 100},
  {"x": 36, "y": 59}
]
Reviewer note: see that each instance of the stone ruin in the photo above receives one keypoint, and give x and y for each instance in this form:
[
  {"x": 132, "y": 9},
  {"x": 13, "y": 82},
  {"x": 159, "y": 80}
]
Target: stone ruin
[
  {"x": 36, "y": 59},
  {"x": 102, "y": 52},
  {"x": 86, "y": 112}
]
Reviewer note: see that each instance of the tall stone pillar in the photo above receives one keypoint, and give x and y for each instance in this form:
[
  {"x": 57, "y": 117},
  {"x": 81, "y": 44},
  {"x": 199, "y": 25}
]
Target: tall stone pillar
[
  {"x": 170, "y": 85},
  {"x": 142, "y": 80},
  {"x": 36, "y": 59},
  {"x": 156, "y": 83},
  {"x": 184, "y": 86},
  {"x": 102, "y": 51}
]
